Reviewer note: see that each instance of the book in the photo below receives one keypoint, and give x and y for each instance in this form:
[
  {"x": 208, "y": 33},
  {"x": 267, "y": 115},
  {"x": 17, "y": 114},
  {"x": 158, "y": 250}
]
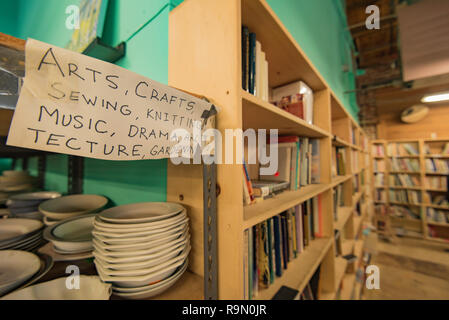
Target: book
[
  {"x": 245, "y": 264},
  {"x": 315, "y": 165},
  {"x": 286, "y": 293},
  {"x": 245, "y": 57},
  {"x": 298, "y": 87},
  {"x": 263, "y": 187},
  {"x": 284, "y": 165},
  {"x": 264, "y": 269},
  {"x": 256, "y": 236},
  {"x": 299, "y": 228},
  {"x": 271, "y": 257},
  {"x": 250, "y": 262},
  {"x": 252, "y": 62},
  {"x": 277, "y": 246}
]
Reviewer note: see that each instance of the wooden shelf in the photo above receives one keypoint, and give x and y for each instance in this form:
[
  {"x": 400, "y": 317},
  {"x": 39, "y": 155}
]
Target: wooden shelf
[
  {"x": 356, "y": 197},
  {"x": 404, "y": 172},
  {"x": 259, "y": 114},
  {"x": 339, "y": 142},
  {"x": 347, "y": 246},
  {"x": 340, "y": 269},
  {"x": 440, "y": 156},
  {"x": 300, "y": 270},
  {"x": 429, "y": 205},
  {"x": 412, "y": 220},
  {"x": 347, "y": 286},
  {"x": 189, "y": 287},
  {"x": 343, "y": 215},
  {"x": 358, "y": 248},
  {"x": 404, "y": 188},
  {"x": 405, "y": 157},
  {"x": 440, "y": 224},
  {"x": 405, "y": 204},
  {"x": 340, "y": 179},
  {"x": 357, "y": 223},
  {"x": 435, "y": 190},
  {"x": 437, "y": 173},
  {"x": 261, "y": 211}
]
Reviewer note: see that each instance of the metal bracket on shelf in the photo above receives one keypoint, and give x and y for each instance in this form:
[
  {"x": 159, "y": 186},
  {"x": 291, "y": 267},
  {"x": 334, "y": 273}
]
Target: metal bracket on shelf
[
  {"x": 76, "y": 174},
  {"x": 41, "y": 166},
  {"x": 210, "y": 232}
]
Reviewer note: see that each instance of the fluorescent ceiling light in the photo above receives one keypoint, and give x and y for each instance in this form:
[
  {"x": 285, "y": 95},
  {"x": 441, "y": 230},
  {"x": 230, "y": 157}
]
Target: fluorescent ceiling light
[{"x": 436, "y": 97}]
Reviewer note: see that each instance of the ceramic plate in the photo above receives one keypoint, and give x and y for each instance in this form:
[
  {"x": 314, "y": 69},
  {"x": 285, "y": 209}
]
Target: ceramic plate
[
  {"x": 49, "y": 249},
  {"x": 46, "y": 265},
  {"x": 152, "y": 290},
  {"x": 14, "y": 229},
  {"x": 32, "y": 196},
  {"x": 15, "y": 268},
  {"x": 74, "y": 205},
  {"x": 141, "y": 212},
  {"x": 91, "y": 288}
]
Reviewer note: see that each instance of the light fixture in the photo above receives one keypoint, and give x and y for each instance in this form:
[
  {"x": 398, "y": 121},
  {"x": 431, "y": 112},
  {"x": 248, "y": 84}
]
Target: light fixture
[{"x": 444, "y": 96}]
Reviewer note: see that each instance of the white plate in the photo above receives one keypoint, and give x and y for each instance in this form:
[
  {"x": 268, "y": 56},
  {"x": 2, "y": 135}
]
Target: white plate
[
  {"x": 70, "y": 206},
  {"x": 126, "y": 228},
  {"x": 91, "y": 288},
  {"x": 49, "y": 222},
  {"x": 107, "y": 234},
  {"x": 32, "y": 196},
  {"x": 169, "y": 254},
  {"x": 151, "y": 290},
  {"x": 131, "y": 239},
  {"x": 140, "y": 245},
  {"x": 138, "y": 255},
  {"x": 155, "y": 274},
  {"x": 49, "y": 249},
  {"x": 30, "y": 237},
  {"x": 16, "y": 267},
  {"x": 141, "y": 212},
  {"x": 72, "y": 235},
  {"x": 15, "y": 229}
]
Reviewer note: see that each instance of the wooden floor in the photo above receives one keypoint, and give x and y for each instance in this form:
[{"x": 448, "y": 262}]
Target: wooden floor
[{"x": 410, "y": 269}]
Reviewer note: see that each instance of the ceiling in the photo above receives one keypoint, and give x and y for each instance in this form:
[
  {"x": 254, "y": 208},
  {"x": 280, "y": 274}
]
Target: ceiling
[{"x": 377, "y": 57}]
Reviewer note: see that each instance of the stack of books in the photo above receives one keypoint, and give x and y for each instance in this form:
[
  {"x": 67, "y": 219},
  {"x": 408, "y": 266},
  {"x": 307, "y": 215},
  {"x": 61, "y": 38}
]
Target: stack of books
[
  {"x": 402, "y": 149},
  {"x": 437, "y": 166},
  {"x": 270, "y": 246},
  {"x": 295, "y": 98},
  {"x": 298, "y": 166},
  {"x": 404, "y": 165},
  {"x": 254, "y": 66}
]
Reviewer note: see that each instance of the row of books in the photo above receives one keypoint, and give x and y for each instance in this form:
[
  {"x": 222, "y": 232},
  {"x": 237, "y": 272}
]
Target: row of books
[
  {"x": 435, "y": 182},
  {"x": 405, "y": 212},
  {"x": 438, "y": 232},
  {"x": 379, "y": 166},
  {"x": 404, "y": 180},
  {"x": 436, "y": 200},
  {"x": 405, "y": 196},
  {"x": 435, "y": 150},
  {"x": 272, "y": 244},
  {"x": 254, "y": 66},
  {"x": 437, "y": 166},
  {"x": 404, "y": 165},
  {"x": 402, "y": 149},
  {"x": 298, "y": 166},
  {"x": 378, "y": 150},
  {"x": 338, "y": 161},
  {"x": 438, "y": 216}
]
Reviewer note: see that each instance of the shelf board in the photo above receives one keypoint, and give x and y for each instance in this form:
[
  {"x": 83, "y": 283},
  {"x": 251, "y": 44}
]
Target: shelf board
[
  {"x": 404, "y": 188},
  {"x": 343, "y": 215},
  {"x": 259, "y": 114},
  {"x": 405, "y": 157},
  {"x": 435, "y": 190},
  {"x": 356, "y": 198},
  {"x": 441, "y": 156},
  {"x": 358, "y": 248},
  {"x": 418, "y": 221},
  {"x": 300, "y": 270},
  {"x": 339, "y": 142},
  {"x": 357, "y": 223},
  {"x": 440, "y": 224},
  {"x": 429, "y": 205},
  {"x": 340, "y": 179},
  {"x": 357, "y": 291},
  {"x": 405, "y": 204},
  {"x": 347, "y": 286},
  {"x": 405, "y": 172},
  {"x": 261, "y": 211},
  {"x": 340, "y": 269},
  {"x": 437, "y": 173}
]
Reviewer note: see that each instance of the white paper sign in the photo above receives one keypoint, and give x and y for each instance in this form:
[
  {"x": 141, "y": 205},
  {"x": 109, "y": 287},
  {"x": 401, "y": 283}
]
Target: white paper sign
[{"x": 74, "y": 104}]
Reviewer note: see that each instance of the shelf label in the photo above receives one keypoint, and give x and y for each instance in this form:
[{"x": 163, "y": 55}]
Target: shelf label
[{"x": 74, "y": 104}]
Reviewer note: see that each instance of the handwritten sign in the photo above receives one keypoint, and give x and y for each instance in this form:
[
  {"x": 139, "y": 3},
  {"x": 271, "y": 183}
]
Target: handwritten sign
[{"x": 74, "y": 104}]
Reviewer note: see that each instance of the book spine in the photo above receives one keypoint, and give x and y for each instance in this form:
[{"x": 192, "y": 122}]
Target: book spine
[
  {"x": 252, "y": 62},
  {"x": 250, "y": 262},
  {"x": 270, "y": 247},
  {"x": 277, "y": 246},
  {"x": 245, "y": 43},
  {"x": 256, "y": 261},
  {"x": 245, "y": 264}
]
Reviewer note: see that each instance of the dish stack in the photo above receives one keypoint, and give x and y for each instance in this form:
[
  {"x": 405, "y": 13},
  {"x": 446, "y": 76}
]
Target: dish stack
[
  {"x": 72, "y": 236},
  {"x": 25, "y": 205},
  {"x": 20, "y": 234},
  {"x": 56, "y": 210},
  {"x": 142, "y": 248},
  {"x": 13, "y": 181}
]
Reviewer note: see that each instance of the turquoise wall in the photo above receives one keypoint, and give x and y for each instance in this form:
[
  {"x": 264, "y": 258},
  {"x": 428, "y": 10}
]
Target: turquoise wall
[{"x": 319, "y": 26}]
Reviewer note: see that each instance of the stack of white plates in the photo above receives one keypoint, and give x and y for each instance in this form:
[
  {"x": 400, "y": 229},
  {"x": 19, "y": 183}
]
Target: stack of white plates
[
  {"x": 72, "y": 236},
  {"x": 14, "y": 181},
  {"x": 141, "y": 248},
  {"x": 20, "y": 234},
  {"x": 66, "y": 207},
  {"x": 16, "y": 267},
  {"x": 25, "y": 205}
]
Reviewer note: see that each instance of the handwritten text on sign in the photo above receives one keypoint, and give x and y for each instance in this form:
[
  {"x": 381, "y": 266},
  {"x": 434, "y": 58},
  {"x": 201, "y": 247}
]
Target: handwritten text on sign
[{"x": 74, "y": 104}]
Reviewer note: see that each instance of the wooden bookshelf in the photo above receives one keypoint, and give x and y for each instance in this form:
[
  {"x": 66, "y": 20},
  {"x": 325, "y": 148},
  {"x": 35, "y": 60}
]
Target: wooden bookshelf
[
  {"x": 212, "y": 67},
  {"x": 411, "y": 224}
]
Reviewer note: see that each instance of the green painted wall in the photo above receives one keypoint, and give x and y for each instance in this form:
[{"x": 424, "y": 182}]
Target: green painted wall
[{"x": 319, "y": 26}]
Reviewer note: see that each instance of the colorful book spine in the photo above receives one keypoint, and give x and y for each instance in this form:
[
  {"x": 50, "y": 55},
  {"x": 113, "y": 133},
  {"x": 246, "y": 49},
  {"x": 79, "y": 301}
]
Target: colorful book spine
[
  {"x": 245, "y": 57},
  {"x": 252, "y": 62}
]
